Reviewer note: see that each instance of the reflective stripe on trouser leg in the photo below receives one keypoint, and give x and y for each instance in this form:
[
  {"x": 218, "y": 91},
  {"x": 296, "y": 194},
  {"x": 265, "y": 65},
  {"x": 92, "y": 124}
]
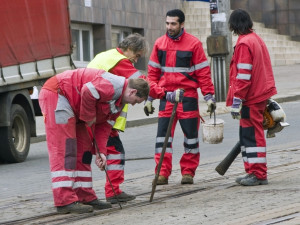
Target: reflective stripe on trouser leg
[
  {"x": 245, "y": 159},
  {"x": 115, "y": 165},
  {"x": 166, "y": 167},
  {"x": 253, "y": 140},
  {"x": 57, "y": 135},
  {"x": 84, "y": 188},
  {"x": 191, "y": 157}
]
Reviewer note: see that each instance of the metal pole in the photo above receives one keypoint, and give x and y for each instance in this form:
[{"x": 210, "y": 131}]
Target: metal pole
[
  {"x": 220, "y": 12},
  {"x": 98, "y": 152},
  {"x": 163, "y": 150}
]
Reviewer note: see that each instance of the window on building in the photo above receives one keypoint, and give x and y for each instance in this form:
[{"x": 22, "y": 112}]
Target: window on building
[
  {"x": 82, "y": 41},
  {"x": 118, "y": 34}
]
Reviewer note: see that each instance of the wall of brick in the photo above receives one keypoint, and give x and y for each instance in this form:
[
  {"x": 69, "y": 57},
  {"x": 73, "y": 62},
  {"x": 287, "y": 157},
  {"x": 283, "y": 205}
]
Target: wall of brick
[{"x": 284, "y": 15}]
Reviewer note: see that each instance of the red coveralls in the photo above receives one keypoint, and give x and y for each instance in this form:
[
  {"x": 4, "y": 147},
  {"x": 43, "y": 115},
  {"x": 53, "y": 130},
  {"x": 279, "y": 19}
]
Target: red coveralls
[
  {"x": 179, "y": 63},
  {"x": 68, "y": 100},
  {"x": 252, "y": 80},
  {"x": 115, "y": 149}
]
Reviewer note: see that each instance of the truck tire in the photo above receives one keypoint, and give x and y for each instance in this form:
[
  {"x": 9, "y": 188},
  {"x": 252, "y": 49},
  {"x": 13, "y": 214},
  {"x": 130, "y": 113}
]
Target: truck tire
[{"x": 15, "y": 139}]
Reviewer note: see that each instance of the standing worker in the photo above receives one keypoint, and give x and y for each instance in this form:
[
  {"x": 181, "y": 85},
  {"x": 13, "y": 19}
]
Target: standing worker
[
  {"x": 251, "y": 84},
  {"x": 178, "y": 62},
  {"x": 119, "y": 61},
  {"x": 70, "y": 102}
]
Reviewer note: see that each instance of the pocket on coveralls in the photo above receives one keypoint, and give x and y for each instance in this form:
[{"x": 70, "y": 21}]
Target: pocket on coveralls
[{"x": 63, "y": 111}]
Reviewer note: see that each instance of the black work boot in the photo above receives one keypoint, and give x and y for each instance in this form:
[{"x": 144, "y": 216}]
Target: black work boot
[
  {"x": 252, "y": 180},
  {"x": 123, "y": 197},
  {"x": 98, "y": 205},
  {"x": 75, "y": 207}
]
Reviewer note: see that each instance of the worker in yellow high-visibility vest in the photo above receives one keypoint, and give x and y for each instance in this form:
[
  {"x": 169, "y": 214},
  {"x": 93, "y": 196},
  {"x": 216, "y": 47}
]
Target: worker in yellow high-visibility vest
[{"x": 119, "y": 61}]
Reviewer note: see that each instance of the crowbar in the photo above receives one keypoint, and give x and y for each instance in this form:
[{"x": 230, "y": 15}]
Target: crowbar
[
  {"x": 98, "y": 152},
  {"x": 163, "y": 150}
]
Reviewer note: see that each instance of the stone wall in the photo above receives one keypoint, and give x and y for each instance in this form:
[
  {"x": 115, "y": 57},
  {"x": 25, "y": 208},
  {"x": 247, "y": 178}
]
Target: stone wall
[{"x": 284, "y": 15}]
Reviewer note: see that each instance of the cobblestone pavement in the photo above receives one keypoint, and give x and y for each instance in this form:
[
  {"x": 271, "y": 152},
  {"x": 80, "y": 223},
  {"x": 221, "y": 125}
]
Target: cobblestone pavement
[{"x": 213, "y": 199}]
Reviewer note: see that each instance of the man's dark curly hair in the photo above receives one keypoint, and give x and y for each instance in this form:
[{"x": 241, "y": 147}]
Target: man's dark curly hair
[{"x": 178, "y": 13}]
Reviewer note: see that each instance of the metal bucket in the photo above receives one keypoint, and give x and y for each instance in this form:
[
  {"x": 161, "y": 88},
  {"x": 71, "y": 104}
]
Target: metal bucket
[{"x": 212, "y": 132}]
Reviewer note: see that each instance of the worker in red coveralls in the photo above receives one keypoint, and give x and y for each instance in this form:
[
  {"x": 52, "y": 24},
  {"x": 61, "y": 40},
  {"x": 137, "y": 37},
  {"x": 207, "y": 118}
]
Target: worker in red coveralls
[
  {"x": 70, "y": 102},
  {"x": 178, "y": 62},
  {"x": 251, "y": 84},
  {"x": 119, "y": 61}
]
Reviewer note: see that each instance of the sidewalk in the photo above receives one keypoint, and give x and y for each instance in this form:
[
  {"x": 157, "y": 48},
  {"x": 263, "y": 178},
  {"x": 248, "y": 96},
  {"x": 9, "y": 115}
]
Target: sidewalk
[{"x": 287, "y": 80}]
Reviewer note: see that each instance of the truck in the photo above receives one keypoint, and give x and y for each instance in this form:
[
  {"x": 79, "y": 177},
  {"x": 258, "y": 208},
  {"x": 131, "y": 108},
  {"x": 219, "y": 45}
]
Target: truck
[{"x": 35, "y": 44}]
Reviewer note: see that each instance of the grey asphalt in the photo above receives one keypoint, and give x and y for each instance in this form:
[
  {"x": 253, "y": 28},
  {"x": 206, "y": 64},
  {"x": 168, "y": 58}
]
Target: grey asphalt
[{"x": 287, "y": 80}]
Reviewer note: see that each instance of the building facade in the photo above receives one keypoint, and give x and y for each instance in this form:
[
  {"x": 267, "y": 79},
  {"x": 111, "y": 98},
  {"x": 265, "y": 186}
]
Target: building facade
[{"x": 98, "y": 25}]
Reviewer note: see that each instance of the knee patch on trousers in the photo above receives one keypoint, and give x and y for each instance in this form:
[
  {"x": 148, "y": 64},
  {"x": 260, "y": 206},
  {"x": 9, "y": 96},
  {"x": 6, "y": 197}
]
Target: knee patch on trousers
[
  {"x": 71, "y": 153},
  {"x": 87, "y": 157},
  {"x": 245, "y": 112},
  {"x": 247, "y": 136}
]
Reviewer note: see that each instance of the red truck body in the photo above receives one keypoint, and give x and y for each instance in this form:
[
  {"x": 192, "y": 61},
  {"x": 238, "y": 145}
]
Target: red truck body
[{"x": 35, "y": 44}]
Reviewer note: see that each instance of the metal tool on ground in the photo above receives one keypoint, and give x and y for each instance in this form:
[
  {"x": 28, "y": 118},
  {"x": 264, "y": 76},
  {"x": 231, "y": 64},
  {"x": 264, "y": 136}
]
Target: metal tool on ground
[
  {"x": 98, "y": 152},
  {"x": 163, "y": 150},
  {"x": 226, "y": 162}
]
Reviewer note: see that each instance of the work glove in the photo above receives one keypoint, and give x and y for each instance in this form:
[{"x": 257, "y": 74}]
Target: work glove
[
  {"x": 211, "y": 103},
  {"x": 236, "y": 108},
  {"x": 175, "y": 96},
  {"x": 148, "y": 108}
]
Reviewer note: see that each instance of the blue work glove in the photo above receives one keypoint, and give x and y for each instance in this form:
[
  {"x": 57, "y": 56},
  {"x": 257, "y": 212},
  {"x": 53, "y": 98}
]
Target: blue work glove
[
  {"x": 148, "y": 108},
  {"x": 211, "y": 103},
  {"x": 175, "y": 96},
  {"x": 236, "y": 108}
]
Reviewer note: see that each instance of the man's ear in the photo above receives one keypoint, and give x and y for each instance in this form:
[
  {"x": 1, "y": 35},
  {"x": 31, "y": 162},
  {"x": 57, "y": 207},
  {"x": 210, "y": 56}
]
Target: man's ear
[{"x": 133, "y": 92}]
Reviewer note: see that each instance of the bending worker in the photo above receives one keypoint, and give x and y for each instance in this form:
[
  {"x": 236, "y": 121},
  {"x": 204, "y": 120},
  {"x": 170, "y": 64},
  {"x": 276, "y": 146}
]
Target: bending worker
[
  {"x": 178, "y": 62},
  {"x": 70, "y": 102},
  {"x": 119, "y": 61}
]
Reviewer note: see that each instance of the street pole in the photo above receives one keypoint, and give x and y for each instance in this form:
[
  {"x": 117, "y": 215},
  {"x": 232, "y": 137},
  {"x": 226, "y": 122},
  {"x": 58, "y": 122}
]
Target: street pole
[{"x": 219, "y": 46}]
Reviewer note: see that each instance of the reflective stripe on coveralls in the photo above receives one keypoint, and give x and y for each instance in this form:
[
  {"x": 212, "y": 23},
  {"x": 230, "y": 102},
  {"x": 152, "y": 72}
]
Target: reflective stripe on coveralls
[{"x": 179, "y": 69}]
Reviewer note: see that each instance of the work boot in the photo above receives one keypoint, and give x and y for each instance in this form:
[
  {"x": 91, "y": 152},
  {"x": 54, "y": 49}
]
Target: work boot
[
  {"x": 75, "y": 207},
  {"x": 252, "y": 180},
  {"x": 97, "y": 204},
  {"x": 239, "y": 179},
  {"x": 162, "y": 180},
  {"x": 187, "y": 179},
  {"x": 123, "y": 197}
]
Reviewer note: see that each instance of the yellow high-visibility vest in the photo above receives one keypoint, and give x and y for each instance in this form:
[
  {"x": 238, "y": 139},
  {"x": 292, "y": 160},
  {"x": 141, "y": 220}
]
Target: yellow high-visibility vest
[{"x": 106, "y": 61}]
